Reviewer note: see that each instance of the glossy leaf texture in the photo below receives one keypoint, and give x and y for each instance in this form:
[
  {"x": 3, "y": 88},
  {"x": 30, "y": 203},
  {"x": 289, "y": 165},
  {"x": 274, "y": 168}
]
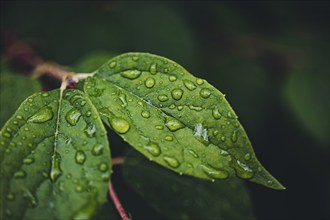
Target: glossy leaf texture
[
  {"x": 178, "y": 197},
  {"x": 175, "y": 119},
  {"x": 54, "y": 158}
]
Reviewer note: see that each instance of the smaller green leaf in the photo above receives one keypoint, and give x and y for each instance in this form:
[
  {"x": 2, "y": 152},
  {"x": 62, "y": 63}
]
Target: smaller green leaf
[
  {"x": 178, "y": 197},
  {"x": 54, "y": 158}
]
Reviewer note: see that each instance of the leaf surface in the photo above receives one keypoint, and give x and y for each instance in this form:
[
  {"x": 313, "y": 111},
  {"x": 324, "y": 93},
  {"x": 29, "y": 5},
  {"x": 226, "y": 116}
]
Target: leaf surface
[
  {"x": 54, "y": 158},
  {"x": 186, "y": 198},
  {"x": 175, "y": 119}
]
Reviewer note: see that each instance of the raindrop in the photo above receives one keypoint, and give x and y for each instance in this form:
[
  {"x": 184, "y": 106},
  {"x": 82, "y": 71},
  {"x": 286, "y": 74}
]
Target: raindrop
[
  {"x": 199, "y": 81},
  {"x": 80, "y": 157},
  {"x": 43, "y": 115},
  {"x": 223, "y": 138},
  {"x": 112, "y": 64},
  {"x": 234, "y": 136},
  {"x": 97, "y": 149},
  {"x": 173, "y": 124},
  {"x": 83, "y": 103},
  {"x": 6, "y": 135},
  {"x": 172, "y": 162},
  {"x": 169, "y": 138},
  {"x": 242, "y": 170},
  {"x": 205, "y": 93},
  {"x": 195, "y": 108},
  {"x": 28, "y": 160},
  {"x": 145, "y": 114},
  {"x": 135, "y": 58},
  {"x": 172, "y": 78},
  {"x": 19, "y": 117},
  {"x": 153, "y": 149},
  {"x": 214, "y": 173},
  {"x": 149, "y": 82},
  {"x": 172, "y": 106},
  {"x": 45, "y": 94},
  {"x": 177, "y": 94},
  {"x": 180, "y": 107},
  {"x": 247, "y": 157},
  {"x": 189, "y": 84},
  {"x": 131, "y": 74},
  {"x": 193, "y": 153},
  {"x": 159, "y": 127},
  {"x": 153, "y": 68},
  {"x": 20, "y": 174},
  {"x": 103, "y": 167},
  {"x": 90, "y": 130},
  {"x": 122, "y": 98},
  {"x": 55, "y": 171},
  {"x": 162, "y": 98},
  {"x": 33, "y": 202},
  {"x": 88, "y": 113},
  {"x": 120, "y": 125},
  {"x": 216, "y": 114},
  {"x": 72, "y": 117}
]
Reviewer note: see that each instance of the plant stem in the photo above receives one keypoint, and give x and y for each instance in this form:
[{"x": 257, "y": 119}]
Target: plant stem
[
  {"x": 116, "y": 201},
  {"x": 117, "y": 161}
]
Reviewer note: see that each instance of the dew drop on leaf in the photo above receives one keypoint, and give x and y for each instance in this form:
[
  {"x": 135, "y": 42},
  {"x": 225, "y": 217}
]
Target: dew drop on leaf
[
  {"x": 193, "y": 153},
  {"x": 162, "y": 97},
  {"x": 55, "y": 171},
  {"x": 80, "y": 157},
  {"x": 28, "y": 160},
  {"x": 214, "y": 173},
  {"x": 205, "y": 93},
  {"x": 120, "y": 125},
  {"x": 169, "y": 138},
  {"x": 199, "y": 81},
  {"x": 216, "y": 114},
  {"x": 153, "y": 149},
  {"x": 72, "y": 117},
  {"x": 97, "y": 149},
  {"x": 145, "y": 114},
  {"x": 131, "y": 74},
  {"x": 234, "y": 136},
  {"x": 90, "y": 130},
  {"x": 43, "y": 115},
  {"x": 112, "y": 64},
  {"x": 177, "y": 94},
  {"x": 171, "y": 161},
  {"x": 242, "y": 170},
  {"x": 173, "y": 124},
  {"x": 172, "y": 78},
  {"x": 189, "y": 84},
  {"x": 153, "y": 68},
  {"x": 103, "y": 167},
  {"x": 20, "y": 174},
  {"x": 149, "y": 82},
  {"x": 247, "y": 156}
]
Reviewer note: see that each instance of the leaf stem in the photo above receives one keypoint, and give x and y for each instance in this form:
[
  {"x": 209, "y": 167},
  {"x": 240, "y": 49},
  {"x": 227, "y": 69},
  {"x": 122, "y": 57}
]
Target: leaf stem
[
  {"x": 123, "y": 214},
  {"x": 117, "y": 161}
]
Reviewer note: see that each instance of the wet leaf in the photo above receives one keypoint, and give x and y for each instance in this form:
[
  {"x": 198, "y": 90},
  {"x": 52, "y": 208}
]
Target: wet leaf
[
  {"x": 175, "y": 119},
  {"x": 179, "y": 197},
  {"x": 50, "y": 164},
  {"x": 14, "y": 88}
]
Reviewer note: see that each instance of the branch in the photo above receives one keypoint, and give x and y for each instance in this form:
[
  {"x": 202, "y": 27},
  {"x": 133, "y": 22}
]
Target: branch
[{"x": 117, "y": 203}]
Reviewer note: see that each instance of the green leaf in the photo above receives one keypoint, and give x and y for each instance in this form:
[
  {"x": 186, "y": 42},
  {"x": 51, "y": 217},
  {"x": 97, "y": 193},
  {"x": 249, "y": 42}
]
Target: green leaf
[
  {"x": 14, "y": 88},
  {"x": 54, "y": 158},
  {"x": 174, "y": 118},
  {"x": 179, "y": 197}
]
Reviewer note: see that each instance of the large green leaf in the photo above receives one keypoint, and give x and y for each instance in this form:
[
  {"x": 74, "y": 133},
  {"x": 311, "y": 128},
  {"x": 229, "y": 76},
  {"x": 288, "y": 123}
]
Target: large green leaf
[
  {"x": 54, "y": 158},
  {"x": 174, "y": 118},
  {"x": 179, "y": 197}
]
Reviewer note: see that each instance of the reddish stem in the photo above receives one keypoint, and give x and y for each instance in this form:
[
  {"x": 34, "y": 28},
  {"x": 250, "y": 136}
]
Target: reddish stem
[{"x": 117, "y": 203}]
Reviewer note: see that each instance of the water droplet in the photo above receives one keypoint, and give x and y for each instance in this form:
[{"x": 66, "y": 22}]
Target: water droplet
[
  {"x": 33, "y": 202},
  {"x": 149, "y": 82},
  {"x": 172, "y": 162},
  {"x": 173, "y": 124},
  {"x": 103, "y": 167},
  {"x": 6, "y": 135},
  {"x": 172, "y": 106},
  {"x": 15, "y": 122},
  {"x": 88, "y": 113},
  {"x": 55, "y": 171},
  {"x": 145, "y": 114},
  {"x": 26, "y": 129},
  {"x": 83, "y": 103},
  {"x": 153, "y": 149},
  {"x": 112, "y": 64},
  {"x": 135, "y": 58},
  {"x": 45, "y": 94},
  {"x": 216, "y": 114},
  {"x": 20, "y": 174},
  {"x": 269, "y": 182},
  {"x": 97, "y": 149},
  {"x": 201, "y": 133},
  {"x": 10, "y": 196},
  {"x": 162, "y": 98},
  {"x": 180, "y": 107},
  {"x": 247, "y": 157},
  {"x": 242, "y": 170},
  {"x": 131, "y": 74},
  {"x": 72, "y": 117},
  {"x": 153, "y": 68},
  {"x": 166, "y": 70},
  {"x": 43, "y": 115},
  {"x": 28, "y": 160},
  {"x": 177, "y": 94},
  {"x": 172, "y": 78},
  {"x": 223, "y": 138},
  {"x": 195, "y": 108},
  {"x": 120, "y": 125},
  {"x": 169, "y": 138},
  {"x": 80, "y": 157},
  {"x": 189, "y": 84},
  {"x": 122, "y": 98},
  {"x": 234, "y": 136},
  {"x": 90, "y": 130},
  {"x": 159, "y": 127},
  {"x": 193, "y": 153},
  {"x": 19, "y": 117},
  {"x": 199, "y": 81},
  {"x": 214, "y": 173},
  {"x": 79, "y": 188},
  {"x": 205, "y": 93}
]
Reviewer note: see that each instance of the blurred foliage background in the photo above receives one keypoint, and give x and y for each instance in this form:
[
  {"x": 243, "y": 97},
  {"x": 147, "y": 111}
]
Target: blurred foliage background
[{"x": 271, "y": 59}]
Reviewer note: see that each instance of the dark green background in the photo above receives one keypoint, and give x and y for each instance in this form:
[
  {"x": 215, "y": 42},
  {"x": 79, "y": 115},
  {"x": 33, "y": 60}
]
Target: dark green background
[{"x": 271, "y": 59}]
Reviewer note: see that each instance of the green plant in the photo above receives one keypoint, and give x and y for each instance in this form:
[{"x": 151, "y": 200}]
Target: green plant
[{"x": 55, "y": 155}]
